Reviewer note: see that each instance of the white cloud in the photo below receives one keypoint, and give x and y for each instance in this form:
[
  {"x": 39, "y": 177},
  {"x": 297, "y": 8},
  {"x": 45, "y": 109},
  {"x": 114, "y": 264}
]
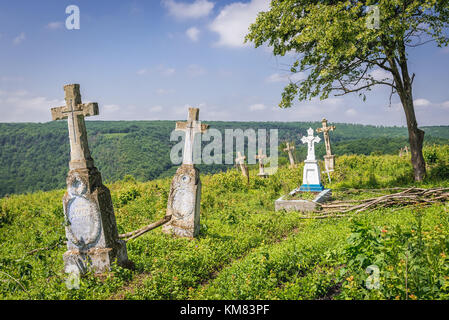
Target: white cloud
[
  {"x": 166, "y": 71},
  {"x": 17, "y": 40},
  {"x": 445, "y": 104},
  {"x": 276, "y": 77},
  {"x": 164, "y": 91},
  {"x": 195, "y": 70},
  {"x": 233, "y": 21},
  {"x": 257, "y": 107},
  {"x": 11, "y": 79},
  {"x": 142, "y": 71},
  {"x": 421, "y": 103},
  {"x": 21, "y": 106},
  {"x": 111, "y": 108},
  {"x": 193, "y": 33},
  {"x": 380, "y": 74},
  {"x": 351, "y": 112},
  {"x": 180, "y": 10},
  {"x": 54, "y": 25},
  {"x": 156, "y": 109}
]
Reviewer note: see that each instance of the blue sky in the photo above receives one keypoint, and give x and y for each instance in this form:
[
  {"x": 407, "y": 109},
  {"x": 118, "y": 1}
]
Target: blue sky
[{"x": 145, "y": 60}]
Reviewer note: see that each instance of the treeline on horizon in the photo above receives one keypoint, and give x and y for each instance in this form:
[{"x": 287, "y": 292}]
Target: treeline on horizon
[{"x": 35, "y": 156}]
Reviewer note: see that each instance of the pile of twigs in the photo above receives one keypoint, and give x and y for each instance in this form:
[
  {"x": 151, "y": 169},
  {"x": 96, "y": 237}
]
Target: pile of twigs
[{"x": 407, "y": 197}]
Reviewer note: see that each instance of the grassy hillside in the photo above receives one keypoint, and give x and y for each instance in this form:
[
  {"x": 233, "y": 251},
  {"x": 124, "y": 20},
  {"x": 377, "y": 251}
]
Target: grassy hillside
[
  {"x": 245, "y": 250},
  {"x": 35, "y": 156}
]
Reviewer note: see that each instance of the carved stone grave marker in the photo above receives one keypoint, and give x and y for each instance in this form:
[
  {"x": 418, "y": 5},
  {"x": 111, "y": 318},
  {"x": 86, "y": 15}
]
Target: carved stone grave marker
[
  {"x": 91, "y": 228},
  {"x": 185, "y": 190}
]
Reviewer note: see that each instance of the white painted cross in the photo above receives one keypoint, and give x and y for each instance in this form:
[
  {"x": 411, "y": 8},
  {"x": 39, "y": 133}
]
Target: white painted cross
[
  {"x": 75, "y": 111},
  {"x": 191, "y": 127},
  {"x": 310, "y": 140}
]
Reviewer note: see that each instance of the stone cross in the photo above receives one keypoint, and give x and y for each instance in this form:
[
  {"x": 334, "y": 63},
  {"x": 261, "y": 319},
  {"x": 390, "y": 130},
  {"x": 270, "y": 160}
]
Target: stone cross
[
  {"x": 191, "y": 127},
  {"x": 184, "y": 199},
  {"x": 91, "y": 229},
  {"x": 310, "y": 140},
  {"x": 241, "y": 161},
  {"x": 75, "y": 111},
  {"x": 289, "y": 150},
  {"x": 325, "y": 130},
  {"x": 260, "y": 156}
]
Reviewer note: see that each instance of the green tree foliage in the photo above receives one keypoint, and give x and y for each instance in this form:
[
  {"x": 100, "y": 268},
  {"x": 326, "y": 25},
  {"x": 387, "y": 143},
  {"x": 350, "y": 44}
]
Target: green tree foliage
[{"x": 339, "y": 46}]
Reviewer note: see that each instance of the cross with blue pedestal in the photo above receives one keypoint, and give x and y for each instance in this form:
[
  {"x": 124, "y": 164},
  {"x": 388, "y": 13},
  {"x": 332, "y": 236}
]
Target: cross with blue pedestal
[{"x": 311, "y": 180}]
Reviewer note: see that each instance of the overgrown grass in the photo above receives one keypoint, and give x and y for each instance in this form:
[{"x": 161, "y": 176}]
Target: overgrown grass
[{"x": 245, "y": 250}]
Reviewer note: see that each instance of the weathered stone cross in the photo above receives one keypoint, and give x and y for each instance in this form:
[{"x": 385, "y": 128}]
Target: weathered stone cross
[
  {"x": 75, "y": 112},
  {"x": 191, "y": 127},
  {"x": 289, "y": 150},
  {"x": 260, "y": 156},
  {"x": 241, "y": 161},
  {"x": 310, "y": 140},
  {"x": 325, "y": 130}
]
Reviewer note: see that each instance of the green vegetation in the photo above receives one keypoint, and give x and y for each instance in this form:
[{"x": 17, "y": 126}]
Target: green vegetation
[
  {"x": 35, "y": 156},
  {"x": 245, "y": 250},
  {"x": 301, "y": 196}
]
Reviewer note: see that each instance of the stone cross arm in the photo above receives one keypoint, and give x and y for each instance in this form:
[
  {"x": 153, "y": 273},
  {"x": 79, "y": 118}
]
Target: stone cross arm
[
  {"x": 289, "y": 147},
  {"x": 310, "y": 139},
  {"x": 260, "y": 156},
  {"x": 196, "y": 126},
  {"x": 240, "y": 159},
  {"x": 325, "y": 127},
  {"x": 86, "y": 110},
  {"x": 330, "y": 128}
]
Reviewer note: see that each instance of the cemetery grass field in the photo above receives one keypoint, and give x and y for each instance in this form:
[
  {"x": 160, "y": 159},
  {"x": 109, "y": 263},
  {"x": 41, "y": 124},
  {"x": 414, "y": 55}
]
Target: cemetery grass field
[{"x": 246, "y": 250}]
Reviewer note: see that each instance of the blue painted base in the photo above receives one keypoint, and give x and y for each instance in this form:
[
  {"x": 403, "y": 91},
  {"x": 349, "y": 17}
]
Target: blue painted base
[{"x": 311, "y": 187}]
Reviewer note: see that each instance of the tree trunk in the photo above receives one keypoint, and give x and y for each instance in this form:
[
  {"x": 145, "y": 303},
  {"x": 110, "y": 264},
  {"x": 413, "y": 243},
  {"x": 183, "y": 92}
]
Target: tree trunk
[
  {"x": 416, "y": 138},
  {"x": 404, "y": 89}
]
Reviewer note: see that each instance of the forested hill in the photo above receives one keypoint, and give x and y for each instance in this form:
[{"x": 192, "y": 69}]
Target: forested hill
[{"x": 35, "y": 156}]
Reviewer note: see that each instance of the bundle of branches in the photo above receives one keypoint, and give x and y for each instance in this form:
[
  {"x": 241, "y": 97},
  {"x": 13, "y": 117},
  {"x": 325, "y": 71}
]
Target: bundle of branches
[{"x": 407, "y": 197}]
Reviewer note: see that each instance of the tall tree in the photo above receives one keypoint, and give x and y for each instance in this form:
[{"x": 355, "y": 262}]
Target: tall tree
[{"x": 341, "y": 45}]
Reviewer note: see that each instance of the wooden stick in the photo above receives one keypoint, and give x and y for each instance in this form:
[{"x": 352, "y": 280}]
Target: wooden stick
[{"x": 141, "y": 231}]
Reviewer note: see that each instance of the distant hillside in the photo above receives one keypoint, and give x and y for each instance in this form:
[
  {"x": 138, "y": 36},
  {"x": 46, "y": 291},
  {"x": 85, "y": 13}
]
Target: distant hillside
[{"x": 35, "y": 156}]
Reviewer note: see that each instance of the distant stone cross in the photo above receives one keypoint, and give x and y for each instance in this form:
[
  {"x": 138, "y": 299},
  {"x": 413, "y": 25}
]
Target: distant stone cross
[
  {"x": 289, "y": 150},
  {"x": 260, "y": 156},
  {"x": 191, "y": 127},
  {"x": 75, "y": 111},
  {"x": 325, "y": 130},
  {"x": 310, "y": 140},
  {"x": 240, "y": 160}
]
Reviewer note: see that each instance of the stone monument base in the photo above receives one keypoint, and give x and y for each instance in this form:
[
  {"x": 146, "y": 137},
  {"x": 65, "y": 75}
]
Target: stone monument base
[
  {"x": 311, "y": 179},
  {"x": 91, "y": 229},
  {"x": 329, "y": 162},
  {"x": 97, "y": 259},
  {"x": 184, "y": 203},
  {"x": 302, "y": 205},
  {"x": 312, "y": 187}
]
